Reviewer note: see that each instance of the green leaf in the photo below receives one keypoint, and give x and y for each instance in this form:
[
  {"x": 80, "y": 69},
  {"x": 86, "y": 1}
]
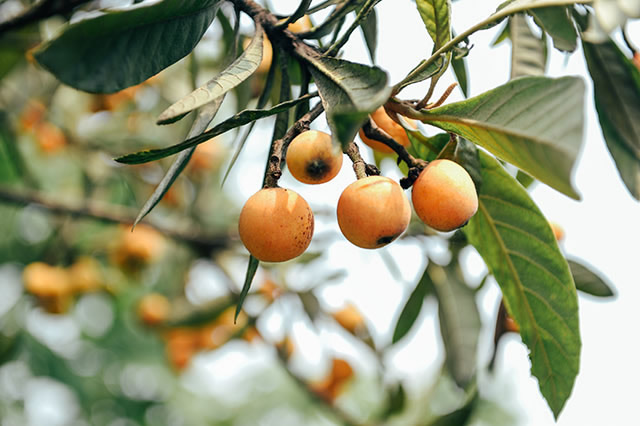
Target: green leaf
[
  {"x": 459, "y": 322},
  {"x": 518, "y": 246},
  {"x": 616, "y": 87},
  {"x": 413, "y": 307},
  {"x": 459, "y": 65},
  {"x": 502, "y": 35},
  {"x": 527, "y": 57},
  {"x": 349, "y": 93},
  {"x": 436, "y": 15},
  {"x": 237, "y": 120},
  {"x": 396, "y": 401},
  {"x": 557, "y": 22},
  {"x": 241, "y": 69},
  {"x": 251, "y": 272},
  {"x": 300, "y": 11},
  {"x": 433, "y": 69},
  {"x": 369, "y": 27},
  {"x": 588, "y": 281},
  {"x": 122, "y": 48},
  {"x": 460, "y": 416},
  {"x": 205, "y": 116},
  {"x": 535, "y": 123}
]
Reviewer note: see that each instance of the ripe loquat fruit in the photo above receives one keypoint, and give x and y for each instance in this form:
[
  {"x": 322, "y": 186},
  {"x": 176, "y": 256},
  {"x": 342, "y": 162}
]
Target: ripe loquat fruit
[
  {"x": 50, "y": 284},
  {"x": 373, "y": 211},
  {"x": 312, "y": 158},
  {"x": 153, "y": 309},
  {"x": 301, "y": 25},
  {"x": 49, "y": 137},
  {"x": 276, "y": 224},
  {"x": 85, "y": 275},
  {"x": 444, "y": 196},
  {"x": 390, "y": 127},
  {"x": 138, "y": 248},
  {"x": 349, "y": 318}
]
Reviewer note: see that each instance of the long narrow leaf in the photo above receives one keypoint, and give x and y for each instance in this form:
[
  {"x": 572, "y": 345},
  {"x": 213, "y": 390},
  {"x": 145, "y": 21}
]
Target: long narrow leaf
[
  {"x": 251, "y": 272},
  {"x": 241, "y": 69},
  {"x": 527, "y": 50},
  {"x": 412, "y": 308},
  {"x": 205, "y": 116},
  {"x": 239, "y": 119}
]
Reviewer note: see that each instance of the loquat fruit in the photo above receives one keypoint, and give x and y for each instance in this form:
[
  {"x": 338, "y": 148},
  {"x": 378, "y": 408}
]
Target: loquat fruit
[
  {"x": 390, "y": 127},
  {"x": 312, "y": 158},
  {"x": 49, "y": 137},
  {"x": 373, "y": 211},
  {"x": 444, "y": 196},
  {"x": 85, "y": 274},
  {"x": 349, "y": 318},
  {"x": 138, "y": 248},
  {"x": 301, "y": 25},
  {"x": 50, "y": 284},
  {"x": 153, "y": 309},
  {"x": 276, "y": 224}
]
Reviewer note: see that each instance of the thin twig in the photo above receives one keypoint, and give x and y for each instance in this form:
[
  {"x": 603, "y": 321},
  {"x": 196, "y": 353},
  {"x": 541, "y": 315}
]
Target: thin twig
[
  {"x": 374, "y": 133},
  {"x": 360, "y": 167},
  {"x": 111, "y": 214},
  {"x": 362, "y": 15}
]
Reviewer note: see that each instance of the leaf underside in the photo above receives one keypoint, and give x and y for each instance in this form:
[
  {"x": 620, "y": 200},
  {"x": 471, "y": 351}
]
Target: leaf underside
[
  {"x": 534, "y": 123},
  {"x": 520, "y": 250}
]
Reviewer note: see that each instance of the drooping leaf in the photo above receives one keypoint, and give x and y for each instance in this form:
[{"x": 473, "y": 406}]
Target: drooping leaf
[
  {"x": 369, "y": 27},
  {"x": 535, "y": 123},
  {"x": 118, "y": 49},
  {"x": 459, "y": 323},
  {"x": 588, "y": 281},
  {"x": 527, "y": 55},
  {"x": 416, "y": 77},
  {"x": 459, "y": 65},
  {"x": 518, "y": 246},
  {"x": 436, "y": 15},
  {"x": 502, "y": 35},
  {"x": 412, "y": 308},
  {"x": 616, "y": 87},
  {"x": 300, "y": 11},
  {"x": 200, "y": 124},
  {"x": 252, "y": 267},
  {"x": 349, "y": 93},
  {"x": 237, "y": 120},
  {"x": 557, "y": 22},
  {"x": 241, "y": 69}
]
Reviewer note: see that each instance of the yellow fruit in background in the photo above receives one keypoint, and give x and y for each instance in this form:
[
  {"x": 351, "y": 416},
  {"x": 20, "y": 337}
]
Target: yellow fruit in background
[
  {"x": 49, "y": 137},
  {"x": 138, "y": 248},
  {"x": 32, "y": 115},
  {"x": 207, "y": 156},
  {"x": 301, "y": 25},
  {"x": 312, "y": 157},
  {"x": 85, "y": 274},
  {"x": 373, "y": 211},
  {"x": 390, "y": 127},
  {"x": 349, "y": 318},
  {"x": 558, "y": 231},
  {"x": 276, "y": 224},
  {"x": 154, "y": 309},
  {"x": 50, "y": 284},
  {"x": 444, "y": 196}
]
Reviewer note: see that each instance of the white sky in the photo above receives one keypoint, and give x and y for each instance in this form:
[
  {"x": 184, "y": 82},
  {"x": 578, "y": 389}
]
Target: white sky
[{"x": 602, "y": 230}]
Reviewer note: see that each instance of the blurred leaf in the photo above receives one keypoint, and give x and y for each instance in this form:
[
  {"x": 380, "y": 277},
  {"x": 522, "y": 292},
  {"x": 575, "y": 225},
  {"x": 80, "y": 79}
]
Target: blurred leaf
[
  {"x": 200, "y": 315},
  {"x": 413, "y": 306},
  {"x": 251, "y": 272},
  {"x": 121, "y": 48},
  {"x": 336, "y": 16},
  {"x": 369, "y": 27},
  {"x": 524, "y": 179},
  {"x": 557, "y": 22},
  {"x": 436, "y": 15},
  {"x": 237, "y": 120},
  {"x": 300, "y": 11},
  {"x": 520, "y": 123},
  {"x": 459, "y": 417},
  {"x": 587, "y": 281},
  {"x": 11, "y": 163},
  {"x": 459, "y": 322},
  {"x": 206, "y": 114},
  {"x": 502, "y": 35},
  {"x": 241, "y": 69},
  {"x": 527, "y": 55},
  {"x": 349, "y": 93},
  {"x": 616, "y": 87},
  {"x": 310, "y": 303},
  {"x": 518, "y": 246},
  {"x": 396, "y": 401}
]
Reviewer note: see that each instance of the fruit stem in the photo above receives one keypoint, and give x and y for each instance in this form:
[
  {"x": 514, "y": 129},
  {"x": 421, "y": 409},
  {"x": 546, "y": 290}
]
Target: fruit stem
[
  {"x": 360, "y": 167},
  {"x": 279, "y": 146},
  {"x": 372, "y": 132}
]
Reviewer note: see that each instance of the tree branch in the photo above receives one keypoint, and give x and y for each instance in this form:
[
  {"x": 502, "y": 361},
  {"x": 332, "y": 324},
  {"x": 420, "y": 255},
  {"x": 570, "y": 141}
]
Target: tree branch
[
  {"x": 42, "y": 10},
  {"x": 113, "y": 214}
]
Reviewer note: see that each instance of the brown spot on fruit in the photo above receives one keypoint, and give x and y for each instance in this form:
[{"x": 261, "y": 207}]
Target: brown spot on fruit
[{"x": 312, "y": 158}]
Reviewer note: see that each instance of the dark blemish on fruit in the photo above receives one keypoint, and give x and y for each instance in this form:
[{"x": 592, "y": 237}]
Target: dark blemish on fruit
[
  {"x": 317, "y": 169},
  {"x": 386, "y": 239}
]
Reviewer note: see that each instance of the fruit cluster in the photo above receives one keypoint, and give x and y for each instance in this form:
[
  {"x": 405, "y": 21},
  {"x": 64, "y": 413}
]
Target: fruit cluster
[{"x": 276, "y": 224}]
